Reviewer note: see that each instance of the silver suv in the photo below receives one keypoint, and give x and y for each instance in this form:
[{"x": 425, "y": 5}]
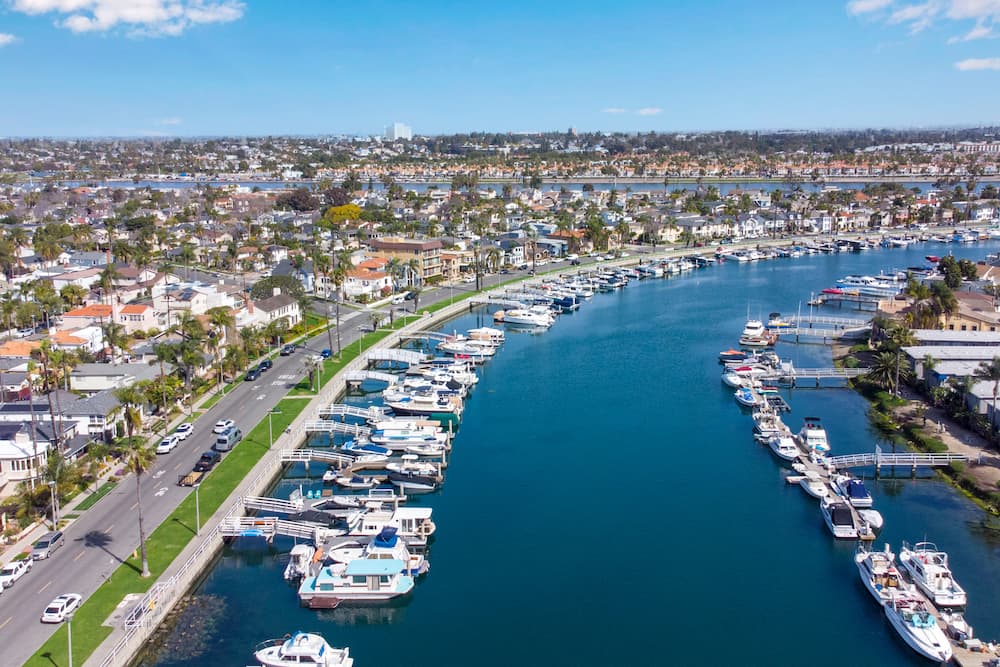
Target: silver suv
[{"x": 45, "y": 546}]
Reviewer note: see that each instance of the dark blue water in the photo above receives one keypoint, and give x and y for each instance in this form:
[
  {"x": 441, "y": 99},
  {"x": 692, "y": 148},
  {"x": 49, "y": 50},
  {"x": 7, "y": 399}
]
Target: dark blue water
[{"x": 606, "y": 504}]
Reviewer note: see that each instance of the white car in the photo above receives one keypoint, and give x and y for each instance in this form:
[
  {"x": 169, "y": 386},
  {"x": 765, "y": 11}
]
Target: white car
[
  {"x": 184, "y": 430},
  {"x": 469, "y": 279},
  {"x": 223, "y": 425},
  {"x": 167, "y": 444},
  {"x": 61, "y": 608},
  {"x": 13, "y": 571}
]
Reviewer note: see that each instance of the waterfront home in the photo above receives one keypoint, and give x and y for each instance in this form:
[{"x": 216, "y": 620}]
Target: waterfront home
[
  {"x": 89, "y": 379},
  {"x": 426, "y": 252}
]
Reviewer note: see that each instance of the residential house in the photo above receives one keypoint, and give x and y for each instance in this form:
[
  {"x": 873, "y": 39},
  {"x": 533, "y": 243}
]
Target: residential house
[
  {"x": 367, "y": 283},
  {"x": 279, "y": 306},
  {"x": 78, "y": 318},
  {"x": 137, "y": 317},
  {"x": 85, "y": 278},
  {"x": 89, "y": 379},
  {"x": 427, "y": 254}
]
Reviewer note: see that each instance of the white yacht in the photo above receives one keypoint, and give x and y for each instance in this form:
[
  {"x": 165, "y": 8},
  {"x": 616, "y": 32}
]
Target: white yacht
[
  {"x": 302, "y": 648},
  {"x": 528, "y": 317},
  {"x": 812, "y": 436},
  {"x": 913, "y": 621},
  {"x": 839, "y": 518},
  {"x": 879, "y": 574},
  {"x": 488, "y": 334},
  {"x": 753, "y": 329},
  {"x": 784, "y": 447},
  {"x": 929, "y": 570}
]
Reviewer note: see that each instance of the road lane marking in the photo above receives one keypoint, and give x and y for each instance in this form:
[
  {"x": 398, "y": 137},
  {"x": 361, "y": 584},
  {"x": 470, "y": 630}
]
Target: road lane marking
[
  {"x": 178, "y": 466},
  {"x": 134, "y": 505},
  {"x": 42, "y": 589},
  {"x": 162, "y": 490},
  {"x": 261, "y": 397},
  {"x": 159, "y": 474},
  {"x": 4, "y": 624},
  {"x": 78, "y": 556},
  {"x": 108, "y": 529}
]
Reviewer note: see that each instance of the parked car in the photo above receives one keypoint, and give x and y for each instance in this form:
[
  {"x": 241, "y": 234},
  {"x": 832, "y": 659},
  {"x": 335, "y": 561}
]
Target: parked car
[
  {"x": 61, "y": 608},
  {"x": 227, "y": 440},
  {"x": 223, "y": 425},
  {"x": 167, "y": 444},
  {"x": 469, "y": 279},
  {"x": 24, "y": 333},
  {"x": 184, "y": 430},
  {"x": 287, "y": 350},
  {"x": 398, "y": 299},
  {"x": 326, "y": 353},
  {"x": 575, "y": 262},
  {"x": 13, "y": 571},
  {"x": 265, "y": 365},
  {"x": 408, "y": 296},
  {"x": 252, "y": 374},
  {"x": 207, "y": 461},
  {"x": 46, "y": 545}
]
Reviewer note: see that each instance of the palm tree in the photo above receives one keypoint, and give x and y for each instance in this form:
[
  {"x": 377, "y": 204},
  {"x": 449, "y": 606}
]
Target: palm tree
[
  {"x": 137, "y": 454},
  {"x": 322, "y": 263},
  {"x": 220, "y": 318},
  {"x": 882, "y": 372},
  {"x": 115, "y": 337},
  {"x": 899, "y": 337},
  {"x": 989, "y": 371},
  {"x": 531, "y": 233}
]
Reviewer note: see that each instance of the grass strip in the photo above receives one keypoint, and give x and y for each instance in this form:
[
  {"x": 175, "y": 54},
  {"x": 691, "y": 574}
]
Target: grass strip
[
  {"x": 91, "y": 500},
  {"x": 163, "y": 545}
]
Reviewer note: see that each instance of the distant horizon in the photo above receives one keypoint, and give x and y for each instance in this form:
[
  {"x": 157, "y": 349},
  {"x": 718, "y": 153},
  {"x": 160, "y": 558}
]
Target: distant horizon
[{"x": 523, "y": 133}]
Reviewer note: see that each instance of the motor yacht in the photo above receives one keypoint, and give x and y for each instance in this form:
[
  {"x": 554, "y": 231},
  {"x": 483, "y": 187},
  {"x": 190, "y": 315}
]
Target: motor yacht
[
  {"x": 839, "y": 518},
  {"x": 878, "y": 573},
  {"x": 852, "y": 490},
  {"x": 928, "y": 567},
  {"x": 916, "y": 625},
  {"x": 812, "y": 436},
  {"x": 302, "y": 648},
  {"x": 784, "y": 447}
]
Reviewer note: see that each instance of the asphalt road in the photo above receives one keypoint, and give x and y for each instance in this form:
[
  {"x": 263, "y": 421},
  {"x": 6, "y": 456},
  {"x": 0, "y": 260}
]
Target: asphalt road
[{"x": 107, "y": 533}]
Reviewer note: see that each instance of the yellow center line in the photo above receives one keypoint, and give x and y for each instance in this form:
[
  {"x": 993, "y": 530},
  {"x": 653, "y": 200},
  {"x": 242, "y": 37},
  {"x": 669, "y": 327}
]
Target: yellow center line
[
  {"x": 4, "y": 624},
  {"x": 42, "y": 589}
]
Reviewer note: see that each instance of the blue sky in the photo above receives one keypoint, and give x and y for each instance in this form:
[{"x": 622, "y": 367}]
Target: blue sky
[{"x": 230, "y": 67}]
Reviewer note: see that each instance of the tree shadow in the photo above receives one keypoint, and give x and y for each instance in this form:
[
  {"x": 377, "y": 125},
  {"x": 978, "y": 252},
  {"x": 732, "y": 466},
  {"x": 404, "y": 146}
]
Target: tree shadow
[
  {"x": 100, "y": 540},
  {"x": 48, "y": 656}
]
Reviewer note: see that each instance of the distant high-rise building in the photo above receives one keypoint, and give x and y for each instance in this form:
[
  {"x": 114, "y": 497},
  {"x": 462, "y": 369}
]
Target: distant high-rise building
[{"x": 398, "y": 131}]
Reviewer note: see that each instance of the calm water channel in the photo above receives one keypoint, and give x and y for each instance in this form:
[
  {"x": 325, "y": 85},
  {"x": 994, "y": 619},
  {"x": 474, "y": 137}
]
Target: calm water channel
[{"x": 607, "y": 505}]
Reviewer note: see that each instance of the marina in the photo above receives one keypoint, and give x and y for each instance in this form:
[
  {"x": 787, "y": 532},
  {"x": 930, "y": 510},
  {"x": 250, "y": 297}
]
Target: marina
[{"x": 484, "y": 488}]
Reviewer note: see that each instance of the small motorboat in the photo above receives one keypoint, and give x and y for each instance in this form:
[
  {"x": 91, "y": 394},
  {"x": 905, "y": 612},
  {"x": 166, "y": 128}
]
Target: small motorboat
[
  {"x": 852, "y": 490},
  {"x": 784, "y": 447},
  {"x": 299, "y": 560},
  {"x": 873, "y": 518},
  {"x": 425, "y": 450},
  {"x": 355, "y": 482},
  {"x": 775, "y": 321},
  {"x": 839, "y": 518},
  {"x": 745, "y": 397},
  {"x": 814, "y": 485},
  {"x": 330, "y": 475},
  {"x": 732, "y": 355},
  {"x": 955, "y": 625},
  {"x": 302, "y": 648},
  {"x": 916, "y": 625},
  {"x": 733, "y": 379}
]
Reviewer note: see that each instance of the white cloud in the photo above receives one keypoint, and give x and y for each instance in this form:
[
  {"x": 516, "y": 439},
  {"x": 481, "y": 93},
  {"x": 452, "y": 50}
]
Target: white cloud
[
  {"x": 613, "y": 110},
  {"x": 172, "y": 120},
  {"x": 974, "y": 9},
  {"x": 918, "y": 16},
  {"x": 7, "y": 38},
  {"x": 975, "y": 64},
  {"x": 980, "y": 31},
  {"x": 140, "y": 17},
  {"x": 649, "y": 111},
  {"x": 856, "y": 7}
]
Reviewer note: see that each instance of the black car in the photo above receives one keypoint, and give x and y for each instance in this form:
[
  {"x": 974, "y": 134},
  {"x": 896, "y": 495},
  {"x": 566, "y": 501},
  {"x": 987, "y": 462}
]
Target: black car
[
  {"x": 265, "y": 365},
  {"x": 575, "y": 262},
  {"x": 207, "y": 461},
  {"x": 287, "y": 350},
  {"x": 252, "y": 374}
]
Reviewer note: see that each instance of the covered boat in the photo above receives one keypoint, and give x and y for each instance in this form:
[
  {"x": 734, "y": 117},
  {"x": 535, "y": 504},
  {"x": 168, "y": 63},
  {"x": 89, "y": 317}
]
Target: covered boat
[{"x": 302, "y": 648}]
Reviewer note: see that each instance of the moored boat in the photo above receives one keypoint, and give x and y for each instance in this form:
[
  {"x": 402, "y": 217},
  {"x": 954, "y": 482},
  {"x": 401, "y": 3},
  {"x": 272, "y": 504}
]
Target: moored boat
[
  {"x": 916, "y": 625},
  {"x": 814, "y": 485},
  {"x": 812, "y": 436},
  {"x": 302, "y": 648},
  {"x": 878, "y": 573},
  {"x": 928, "y": 567},
  {"x": 784, "y": 447},
  {"x": 746, "y": 397},
  {"x": 299, "y": 560},
  {"x": 852, "y": 490},
  {"x": 839, "y": 518}
]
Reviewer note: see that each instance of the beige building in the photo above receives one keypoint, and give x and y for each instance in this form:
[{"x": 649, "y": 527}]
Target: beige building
[{"x": 426, "y": 252}]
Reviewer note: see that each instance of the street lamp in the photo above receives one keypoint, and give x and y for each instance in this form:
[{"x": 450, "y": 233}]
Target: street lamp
[
  {"x": 69, "y": 636},
  {"x": 52, "y": 494},
  {"x": 197, "y": 510},
  {"x": 361, "y": 334},
  {"x": 270, "y": 431}
]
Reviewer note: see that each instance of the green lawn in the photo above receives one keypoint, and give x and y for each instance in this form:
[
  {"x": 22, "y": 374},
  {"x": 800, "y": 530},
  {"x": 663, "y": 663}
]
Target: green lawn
[
  {"x": 162, "y": 546},
  {"x": 89, "y": 501}
]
